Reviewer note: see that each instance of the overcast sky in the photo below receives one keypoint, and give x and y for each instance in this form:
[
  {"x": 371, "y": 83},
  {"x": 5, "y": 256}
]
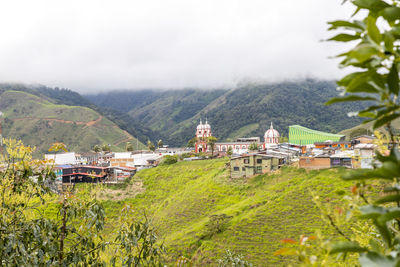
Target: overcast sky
[{"x": 90, "y": 46}]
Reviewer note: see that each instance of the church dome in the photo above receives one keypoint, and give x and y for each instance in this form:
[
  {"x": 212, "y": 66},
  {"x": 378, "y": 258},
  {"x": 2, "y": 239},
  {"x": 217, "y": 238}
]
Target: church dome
[{"x": 271, "y": 135}]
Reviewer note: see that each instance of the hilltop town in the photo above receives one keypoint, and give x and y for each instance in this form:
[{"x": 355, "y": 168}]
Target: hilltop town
[{"x": 249, "y": 156}]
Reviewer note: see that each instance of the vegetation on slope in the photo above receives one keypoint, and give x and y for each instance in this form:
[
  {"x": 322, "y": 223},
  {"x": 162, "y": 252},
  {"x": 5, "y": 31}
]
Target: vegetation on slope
[
  {"x": 183, "y": 198},
  {"x": 40, "y": 123}
]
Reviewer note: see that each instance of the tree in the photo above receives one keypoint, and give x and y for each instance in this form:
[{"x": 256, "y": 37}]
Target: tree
[
  {"x": 283, "y": 139},
  {"x": 211, "y": 143},
  {"x": 253, "y": 147},
  {"x": 229, "y": 151},
  {"x": 151, "y": 146},
  {"x": 76, "y": 236},
  {"x": 375, "y": 196},
  {"x": 192, "y": 142},
  {"x": 129, "y": 146},
  {"x": 97, "y": 148},
  {"x": 160, "y": 143},
  {"x": 106, "y": 148}
]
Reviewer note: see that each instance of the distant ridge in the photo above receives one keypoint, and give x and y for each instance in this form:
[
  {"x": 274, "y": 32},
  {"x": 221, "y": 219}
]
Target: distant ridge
[{"x": 243, "y": 111}]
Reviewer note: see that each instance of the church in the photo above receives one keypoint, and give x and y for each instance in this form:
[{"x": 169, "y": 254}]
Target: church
[{"x": 241, "y": 145}]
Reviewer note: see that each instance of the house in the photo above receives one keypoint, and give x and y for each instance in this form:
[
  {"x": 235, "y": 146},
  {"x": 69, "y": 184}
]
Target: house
[
  {"x": 315, "y": 163},
  {"x": 344, "y": 159},
  {"x": 364, "y": 153},
  {"x": 62, "y": 158},
  {"x": 120, "y": 173},
  {"x": 88, "y": 158},
  {"x": 330, "y": 144},
  {"x": 84, "y": 174},
  {"x": 253, "y": 164},
  {"x": 364, "y": 139}
]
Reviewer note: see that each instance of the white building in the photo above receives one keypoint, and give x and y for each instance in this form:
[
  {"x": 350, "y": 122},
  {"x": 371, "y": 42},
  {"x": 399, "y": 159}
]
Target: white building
[{"x": 68, "y": 158}]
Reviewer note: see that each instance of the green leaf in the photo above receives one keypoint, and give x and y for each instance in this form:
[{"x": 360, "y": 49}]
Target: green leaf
[
  {"x": 366, "y": 114},
  {"x": 389, "y": 216},
  {"x": 360, "y": 86},
  {"x": 372, "y": 108},
  {"x": 343, "y": 37},
  {"x": 373, "y": 31},
  {"x": 384, "y": 120},
  {"x": 372, "y": 5},
  {"x": 357, "y": 81},
  {"x": 357, "y": 26},
  {"x": 384, "y": 231},
  {"x": 391, "y": 13},
  {"x": 349, "y": 77},
  {"x": 363, "y": 52},
  {"x": 347, "y": 247},
  {"x": 387, "y": 199},
  {"x": 388, "y": 40},
  {"x": 372, "y": 211},
  {"x": 368, "y": 174},
  {"x": 373, "y": 259},
  {"x": 349, "y": 98},
  {"x": 393, "y": 79}
]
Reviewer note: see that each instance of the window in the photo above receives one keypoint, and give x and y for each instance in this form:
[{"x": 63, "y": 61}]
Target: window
[
  {"x": 246, "y": 161},
  {"x": 259, "y": 161},
  {"x": 236, "y": 169},
  {"x": 243, "y": 169},
  {"x": 259, "y": 169}
]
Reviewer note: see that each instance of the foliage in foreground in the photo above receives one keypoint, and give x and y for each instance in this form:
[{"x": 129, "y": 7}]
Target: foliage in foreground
[
  {"x": 376, "y": 56},
  {"x": 75, "y": 236}
]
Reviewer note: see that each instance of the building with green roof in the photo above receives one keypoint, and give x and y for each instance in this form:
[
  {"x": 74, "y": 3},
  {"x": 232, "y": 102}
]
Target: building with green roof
[{"x": 299, "y": 135}]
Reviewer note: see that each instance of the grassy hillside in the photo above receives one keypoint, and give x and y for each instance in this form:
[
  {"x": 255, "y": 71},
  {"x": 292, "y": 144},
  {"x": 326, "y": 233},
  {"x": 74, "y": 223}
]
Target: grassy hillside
[
  {"x": 39, "y": 122},
  {"x": 245, "y": 111},
  {"x": 181, "y": 197}
]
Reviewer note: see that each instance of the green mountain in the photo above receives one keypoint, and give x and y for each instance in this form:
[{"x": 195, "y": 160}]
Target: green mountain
[
  {"x": 244, "y": 111},
  {"x": 181, "y": 200},
  {"x": 71, "y": 98},
  {"x": 38, "y": 121}
]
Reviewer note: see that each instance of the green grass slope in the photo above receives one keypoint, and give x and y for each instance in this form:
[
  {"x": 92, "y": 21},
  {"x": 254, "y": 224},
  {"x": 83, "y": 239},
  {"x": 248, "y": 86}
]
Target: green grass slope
[
  {"x": 39, "y": 122},
  {"x": 181, "y": 197}
]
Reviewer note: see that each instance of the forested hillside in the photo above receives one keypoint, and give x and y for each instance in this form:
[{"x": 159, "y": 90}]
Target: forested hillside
[
  {"x": 39, "y": 122},
  {"x": 245, "y": 111}
]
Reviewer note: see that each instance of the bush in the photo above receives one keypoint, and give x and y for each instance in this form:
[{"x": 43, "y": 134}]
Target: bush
[{"x": 168, "y": 160}]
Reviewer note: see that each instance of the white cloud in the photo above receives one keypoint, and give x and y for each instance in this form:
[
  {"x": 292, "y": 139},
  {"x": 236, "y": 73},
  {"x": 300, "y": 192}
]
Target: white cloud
[{"x": 98, "y": 45}]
